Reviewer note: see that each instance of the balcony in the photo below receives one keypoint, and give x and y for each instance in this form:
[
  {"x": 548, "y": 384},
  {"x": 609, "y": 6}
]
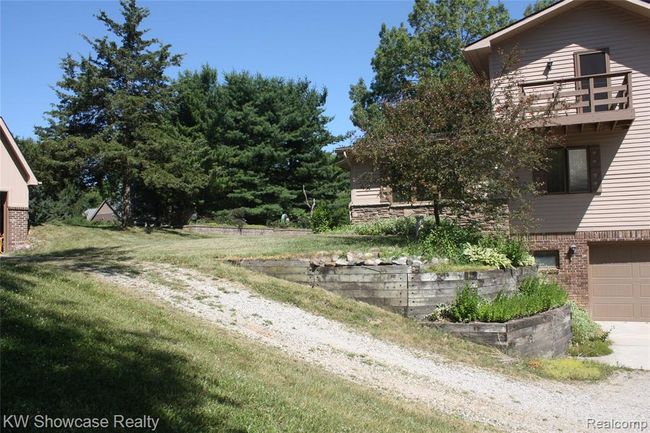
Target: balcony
[{"x": 601, "y": 101}]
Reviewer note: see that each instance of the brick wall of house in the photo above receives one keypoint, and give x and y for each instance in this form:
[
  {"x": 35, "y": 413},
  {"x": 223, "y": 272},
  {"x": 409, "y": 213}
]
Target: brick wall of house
[
  {"x": 18, "y": 228},
  {"x": 573, "y": 271}
]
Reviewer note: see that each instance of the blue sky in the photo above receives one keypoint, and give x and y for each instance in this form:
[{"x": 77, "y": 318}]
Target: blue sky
[{"x": 328, "y": 42}]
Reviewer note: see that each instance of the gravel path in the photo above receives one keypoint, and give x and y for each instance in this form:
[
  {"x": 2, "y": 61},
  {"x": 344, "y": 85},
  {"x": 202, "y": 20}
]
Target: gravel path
[{"x": 471, "y": 393}]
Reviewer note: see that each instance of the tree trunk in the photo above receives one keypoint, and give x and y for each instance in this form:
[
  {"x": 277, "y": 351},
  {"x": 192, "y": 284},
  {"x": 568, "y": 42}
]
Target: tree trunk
[
  {"x": 436, "y": 210},
  {"x": 126, "y": 202}
]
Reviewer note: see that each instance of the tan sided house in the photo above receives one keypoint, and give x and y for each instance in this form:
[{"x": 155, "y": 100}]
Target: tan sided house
[
  {"x": 594, "y": 219},
  {"x": 15, "y": 177}
]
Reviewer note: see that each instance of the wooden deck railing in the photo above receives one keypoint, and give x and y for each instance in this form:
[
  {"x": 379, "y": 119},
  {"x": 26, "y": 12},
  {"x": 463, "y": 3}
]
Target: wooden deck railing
[{"x": 587, "y": 95}]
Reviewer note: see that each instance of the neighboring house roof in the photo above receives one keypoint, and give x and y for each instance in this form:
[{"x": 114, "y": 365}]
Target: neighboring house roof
[
  {"x": 16, "y": 154},
  {"x": 92, "y": 213},
  {"x": 477, "y": 53}
]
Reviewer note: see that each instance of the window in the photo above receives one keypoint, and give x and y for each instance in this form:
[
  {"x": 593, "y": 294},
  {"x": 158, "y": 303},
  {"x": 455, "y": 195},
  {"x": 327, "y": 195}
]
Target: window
[
  {"x": 547, "y": 259},
  {"x": 568, "y": 171},
  {"x": 412, "y": 196}
]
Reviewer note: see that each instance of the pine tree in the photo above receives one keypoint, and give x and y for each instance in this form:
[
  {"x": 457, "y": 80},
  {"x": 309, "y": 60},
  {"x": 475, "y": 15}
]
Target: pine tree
[
  {"x": 111, "y": 121},
  {"x": 265, "y": 138}
]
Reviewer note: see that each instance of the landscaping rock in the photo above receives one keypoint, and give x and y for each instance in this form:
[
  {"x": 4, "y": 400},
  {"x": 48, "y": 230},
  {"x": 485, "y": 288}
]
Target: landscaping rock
[
  {"x": 372, "y": 262},
  {"x": 355, "y": 257},
  {"x": 400, "y": 261},
  {"x": 343, "y": 262}
]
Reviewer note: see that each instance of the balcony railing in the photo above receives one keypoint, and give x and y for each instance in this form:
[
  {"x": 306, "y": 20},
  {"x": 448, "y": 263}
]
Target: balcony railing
[{"x": 581, "y": 100}]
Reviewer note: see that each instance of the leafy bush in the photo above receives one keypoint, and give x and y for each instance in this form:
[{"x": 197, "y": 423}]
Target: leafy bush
[
  {"x": 404, "y": 227},
  {"x": 486, "y": 256},
  {"x": 466, "y": 305},
  {"x": 67, "y": 206},
  {"x": 447, "y": 239},
  {"x": 515, "y": 249},
  {"x": 451, "y": 241},
  {"x": 589, "y": 339},
  {"x": 535, "y": 295},
  {"x": 583, "y": 328},
  {"x": 320, "y": 219}
]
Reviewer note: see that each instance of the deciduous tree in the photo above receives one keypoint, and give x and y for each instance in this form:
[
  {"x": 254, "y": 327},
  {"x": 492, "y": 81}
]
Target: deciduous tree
[
  {"x": 448, "y": 145},
  {"x": 429, "y": 46}
]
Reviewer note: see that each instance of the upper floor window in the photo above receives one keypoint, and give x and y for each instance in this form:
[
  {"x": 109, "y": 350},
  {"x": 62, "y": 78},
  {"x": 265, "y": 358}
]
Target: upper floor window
[{"x": 568, "y": 171}]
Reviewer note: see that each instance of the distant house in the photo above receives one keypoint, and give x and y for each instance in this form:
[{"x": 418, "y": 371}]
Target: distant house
[
  {"x": 15, "y": 178},
  {"x": 104, "y": 212}
]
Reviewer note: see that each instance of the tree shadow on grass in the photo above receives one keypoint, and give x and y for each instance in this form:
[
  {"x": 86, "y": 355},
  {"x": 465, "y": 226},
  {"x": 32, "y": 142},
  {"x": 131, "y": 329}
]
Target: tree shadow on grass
[
  {"x": 108, "y": 260},
  {"x": 61, "y": 361}
]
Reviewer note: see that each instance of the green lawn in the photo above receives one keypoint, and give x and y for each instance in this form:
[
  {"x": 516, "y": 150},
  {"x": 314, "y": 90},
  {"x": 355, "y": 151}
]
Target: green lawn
[
  {"x": 109, "y": 247},
  {"x": 72, "y": 346}
]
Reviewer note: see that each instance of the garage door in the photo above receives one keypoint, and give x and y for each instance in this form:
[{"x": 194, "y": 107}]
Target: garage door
[{"x": 619, "y": 281}]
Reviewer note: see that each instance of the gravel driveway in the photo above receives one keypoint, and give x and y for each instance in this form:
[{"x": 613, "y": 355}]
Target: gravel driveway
[{"x": 471, "y": 393}]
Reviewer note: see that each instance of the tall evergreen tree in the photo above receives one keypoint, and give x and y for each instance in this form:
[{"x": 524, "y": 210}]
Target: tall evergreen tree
[
  {"x": 110, "y": 128},
  {"x": 429, "y": 46},
  {"x": 265, "y": 138}
]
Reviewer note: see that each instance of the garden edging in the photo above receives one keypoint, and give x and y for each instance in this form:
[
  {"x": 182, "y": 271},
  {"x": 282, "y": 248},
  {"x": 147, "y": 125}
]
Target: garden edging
[
  {"x": 544, "y": 335},
  {"x": 400, "y": 288}
]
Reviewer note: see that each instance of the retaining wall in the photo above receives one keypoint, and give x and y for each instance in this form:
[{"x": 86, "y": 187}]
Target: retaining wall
[
  {"x": 245, "y": 231},
  {"x": 544, "y": 335},
  {"x": 400, "y": 288}
]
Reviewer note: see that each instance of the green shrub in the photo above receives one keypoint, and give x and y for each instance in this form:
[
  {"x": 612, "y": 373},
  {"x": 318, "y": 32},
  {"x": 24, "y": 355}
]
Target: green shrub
[
  {"x": 466, "y": 305},
  {"x": 447, "y": 240},
  {"x": 404, "y": 227},
  {"x": 583, "y": 328},
  {"x": 591, "y": 348},
  {"x": 515, "y": 249},
  {"x": 534, "y": 296},
  {"x": 486, "y": 256},
  {"x": 589, "y": 339},
  {"x": 320, "y": 219}
]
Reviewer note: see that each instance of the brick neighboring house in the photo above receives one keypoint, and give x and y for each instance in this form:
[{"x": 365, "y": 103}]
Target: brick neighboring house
[
  {"x": 593, "y": 227},
  {"x": 15, "y": 178}
]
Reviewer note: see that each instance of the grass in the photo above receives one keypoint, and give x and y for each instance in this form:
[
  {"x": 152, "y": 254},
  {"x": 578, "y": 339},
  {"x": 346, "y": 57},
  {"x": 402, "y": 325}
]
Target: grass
[
  {"x": 591, "y": 348},
  {"x": 74, "y": 347},
  {"x": 570, "y": 369},
  {"x": 101, "y": 248}
]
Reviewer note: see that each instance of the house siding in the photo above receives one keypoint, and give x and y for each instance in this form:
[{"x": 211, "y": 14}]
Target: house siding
[
  {"x": 11, "y": 179},
  {"x": 623, "y": 202}
]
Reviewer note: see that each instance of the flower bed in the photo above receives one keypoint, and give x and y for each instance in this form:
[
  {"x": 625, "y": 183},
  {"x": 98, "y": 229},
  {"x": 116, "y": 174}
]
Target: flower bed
[
  {"x": 543, "y": 335},
  {"x": 533, "y": 321}
]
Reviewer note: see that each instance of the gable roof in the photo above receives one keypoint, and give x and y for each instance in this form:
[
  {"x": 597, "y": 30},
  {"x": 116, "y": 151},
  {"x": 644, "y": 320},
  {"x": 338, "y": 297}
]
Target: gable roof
[
  {"x": 94, "y": 212},
  {"x": 16, "y": 154},
  {"x": 477, "y": 53}
]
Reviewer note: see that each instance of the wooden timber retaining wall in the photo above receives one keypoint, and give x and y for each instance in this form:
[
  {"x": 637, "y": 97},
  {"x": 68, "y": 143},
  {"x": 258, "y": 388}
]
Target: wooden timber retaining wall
[
  {"x": 545, "y": 335},
  {"x": 245, "y": 231},
  {"x": 400, "y": 288}
]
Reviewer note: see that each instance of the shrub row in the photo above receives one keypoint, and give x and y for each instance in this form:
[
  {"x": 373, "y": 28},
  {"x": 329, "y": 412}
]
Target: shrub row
[
  {"x": 461, "y": 244},
  {"x": 535, "y": 295}
]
